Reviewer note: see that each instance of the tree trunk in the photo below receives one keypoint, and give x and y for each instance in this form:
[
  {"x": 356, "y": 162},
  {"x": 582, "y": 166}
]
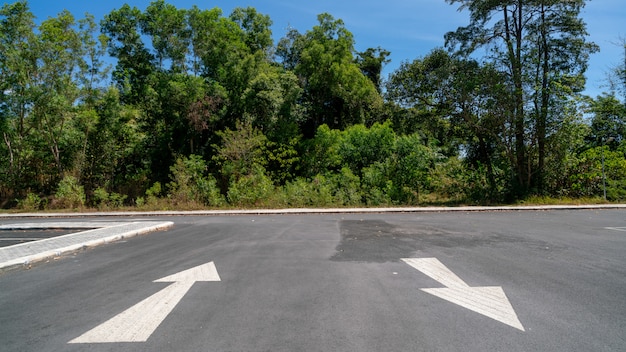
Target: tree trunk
[{"x": 545, "y": 100}]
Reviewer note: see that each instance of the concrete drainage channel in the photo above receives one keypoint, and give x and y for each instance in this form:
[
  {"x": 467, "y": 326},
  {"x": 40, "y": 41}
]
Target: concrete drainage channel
[{"x": 90, "y": 234}]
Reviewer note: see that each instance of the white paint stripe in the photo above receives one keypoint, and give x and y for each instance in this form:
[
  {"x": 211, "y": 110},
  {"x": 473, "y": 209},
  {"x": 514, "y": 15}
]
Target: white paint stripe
[
  {"x": 204, "y": 272},
  {"x": 437, "y": 271},
  {"x": 616, "y": 228},
  {"x": 489, "y": 301},
  {"x": 137, "y": 323}
]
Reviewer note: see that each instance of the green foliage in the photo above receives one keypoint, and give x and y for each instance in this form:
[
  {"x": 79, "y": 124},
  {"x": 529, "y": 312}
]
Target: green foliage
[
  {"x": 240, "y": 150},
  {"x": 105, "y": 200},
  {"x": 543, "y": 57},
  {"x": 190, "y": 185},
  {"x": 331, "y": 189},
  {"x": 70, "y": 194},
  {"x": 361, "y": 146},
  {"x": 252, "y": 189},
  {"x": 450, "y": 181},
  {"x": 205, "y": 110},
  {"x": 153, "y": 194},
  {"x": 336, "y": 92},
  {"x": 32, "y": 202},
  {"x": 371, "y": 63},
  {"x": 322, "y": 151},
  {"x": 281, "y": 160},
  {"x": 608, "y": 122},
  {"x": 345, "y": 188},
  {"x": 585, "y": 175}
]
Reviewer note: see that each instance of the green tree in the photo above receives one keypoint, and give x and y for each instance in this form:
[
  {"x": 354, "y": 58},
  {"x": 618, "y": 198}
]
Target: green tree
[
  {"x": 18, "y": 67},
  {"x": 256, "y": 29},
  {"x": 361, "y": 146},
  {"x": 134, "y": 61},
  {"x": 94, "y": 70},
  {"x": 240, "y": 151},
  {"x": 608, "y": 123},
  {"x": 541, "y": 45},
  {"x": 463, "y": 106},
  {"x": 201, "y": 26},
  {"x": 335, "y": 91},
  {"x": 168, "y": 29},
  {"x": 60, "y": 55},
  {"x": 371, "y": 62}
]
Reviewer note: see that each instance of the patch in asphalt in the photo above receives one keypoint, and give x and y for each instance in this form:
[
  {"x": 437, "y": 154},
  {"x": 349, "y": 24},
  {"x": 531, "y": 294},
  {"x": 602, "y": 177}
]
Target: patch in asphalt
[{"x": 378, "y": 241}]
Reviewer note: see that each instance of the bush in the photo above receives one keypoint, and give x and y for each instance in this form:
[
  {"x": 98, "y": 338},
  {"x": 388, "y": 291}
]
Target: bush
[
  {"x": 105, "y": 200},
  {"x": 346, "y": 188},
  {"x": 70, "y": 194},
  {"x": 190, "y": 185},
  {"x": 376, "y": 185},
  {"x": 362, "y": 146},
  {"x": 252, "y": 189},
  {"x": 332, "y": 189},
  {"x": 152, "y": 195},
  {"x": 32, "y": 202}
]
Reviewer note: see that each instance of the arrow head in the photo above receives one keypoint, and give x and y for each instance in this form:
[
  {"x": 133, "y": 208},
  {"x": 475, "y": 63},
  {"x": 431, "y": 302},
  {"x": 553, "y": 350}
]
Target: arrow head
[
  {"x": 204, "y": 272},
  {"x": 489, "y": 301}
]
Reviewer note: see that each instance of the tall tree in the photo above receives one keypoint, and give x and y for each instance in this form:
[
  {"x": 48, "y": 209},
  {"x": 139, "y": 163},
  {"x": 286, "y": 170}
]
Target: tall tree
[
  {"x": 18, "y": 67},
  {"x": 557, "y": 42},
  {"x": 167, "y": 27},
  {"x": 335, "y": 90},
  {"x": 61, "y": 56},
  {"x": 371, "y": 62},
  {"x": 461, "y": 104},
  {"x": 541, "y": 45},
  {"x": 134, "y": 61},
  {"x": 256, "y": 29}
]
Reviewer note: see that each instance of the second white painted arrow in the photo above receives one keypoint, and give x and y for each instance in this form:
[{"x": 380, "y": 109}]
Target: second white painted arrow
[
  {"x": 138, "y": 322},
  {"x": 490, "y": 301}
]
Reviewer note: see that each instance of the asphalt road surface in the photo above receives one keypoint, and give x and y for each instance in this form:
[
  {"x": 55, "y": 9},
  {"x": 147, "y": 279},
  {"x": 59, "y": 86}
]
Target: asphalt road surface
[{"x": 477, "y": 281}]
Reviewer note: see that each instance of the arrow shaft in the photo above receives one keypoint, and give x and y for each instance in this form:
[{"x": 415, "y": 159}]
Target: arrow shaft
[
  {"x": 437, "y": 271},
  {"x": 138, "y": 322}
]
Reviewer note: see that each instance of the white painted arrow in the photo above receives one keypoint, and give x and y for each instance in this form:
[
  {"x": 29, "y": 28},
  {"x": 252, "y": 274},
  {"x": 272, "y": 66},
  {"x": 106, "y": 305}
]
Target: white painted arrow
[
  {"x": 138, "y": 322},
  {"x": 490, "y": 301}
]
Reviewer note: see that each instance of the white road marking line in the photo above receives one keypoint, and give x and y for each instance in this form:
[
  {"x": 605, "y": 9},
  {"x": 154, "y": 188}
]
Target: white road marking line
[
  {"x": 137, "y": 323},
  {"x": 490, "y": 301}
]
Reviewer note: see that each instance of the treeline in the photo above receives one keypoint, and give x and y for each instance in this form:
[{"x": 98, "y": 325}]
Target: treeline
[{"x": 201, "y": 109}]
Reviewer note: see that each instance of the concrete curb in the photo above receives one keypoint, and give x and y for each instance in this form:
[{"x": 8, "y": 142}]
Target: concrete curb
[
  {"x": 60, "y": 245},
  {"x": 315, "y": 211}
]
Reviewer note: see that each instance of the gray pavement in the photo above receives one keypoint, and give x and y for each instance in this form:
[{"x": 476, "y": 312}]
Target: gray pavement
[
  {"x": 25, "y": 254},
  {"x": 334, "y": 282}
]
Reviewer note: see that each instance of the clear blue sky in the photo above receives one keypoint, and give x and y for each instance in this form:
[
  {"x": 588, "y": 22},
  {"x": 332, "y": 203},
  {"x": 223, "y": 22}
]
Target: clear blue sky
[{"x": 407, "y": 28}]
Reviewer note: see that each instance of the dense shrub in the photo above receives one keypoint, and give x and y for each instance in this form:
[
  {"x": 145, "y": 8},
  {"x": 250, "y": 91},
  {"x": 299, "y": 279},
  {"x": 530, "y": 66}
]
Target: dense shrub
[
  {"x": 190, "y": 184},
  {"x": 70, "y": 194},
  {"x": 105, "y": 200},
  {"x": 253, "y": 189},
  {"x": 32, "y": 202}
]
